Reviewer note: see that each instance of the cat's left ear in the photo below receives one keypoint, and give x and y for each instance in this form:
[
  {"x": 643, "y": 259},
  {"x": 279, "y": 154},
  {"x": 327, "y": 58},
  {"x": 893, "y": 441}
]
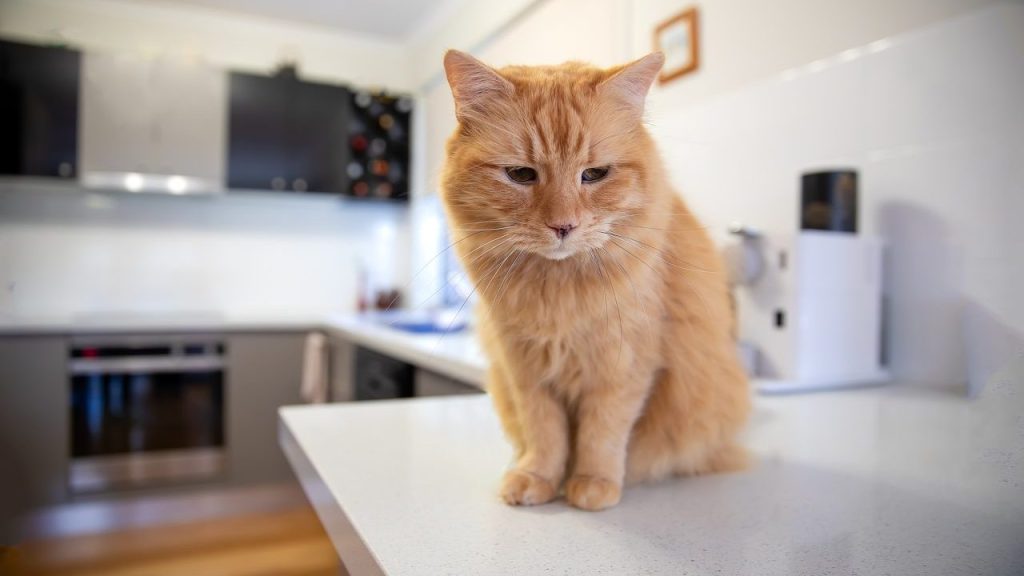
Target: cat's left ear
[{"x": 631, "y": 82}]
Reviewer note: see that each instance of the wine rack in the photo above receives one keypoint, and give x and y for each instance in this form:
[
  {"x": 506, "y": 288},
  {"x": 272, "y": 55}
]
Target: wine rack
[{"x": 379, "y": 141}]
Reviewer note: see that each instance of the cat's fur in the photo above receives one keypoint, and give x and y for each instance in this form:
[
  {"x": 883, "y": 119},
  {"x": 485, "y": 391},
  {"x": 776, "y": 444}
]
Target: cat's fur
[{"x": 611, "y": 354}]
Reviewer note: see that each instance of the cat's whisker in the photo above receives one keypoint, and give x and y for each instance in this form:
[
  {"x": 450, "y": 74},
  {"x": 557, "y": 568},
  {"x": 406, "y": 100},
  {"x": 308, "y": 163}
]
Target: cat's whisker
[
  {"x": 455, "y": 317},
  {"x": 447, "y": 282},
  {"x": 648, "y": 264},
  {"x": 707, "y": 309},
  {"x": 503, "y": 287},
  {"x": 693, "y": 229},
  {"x": 625, "y": 216},
  {"x": 485, "y": 245},
  {"x": 475, "y": 230},
  {"x": 497, "y": 268},
  {"x": 602, "y": 140},
  {"x": 412, "y": 280},
  {"x": 618, "y": 311},
  {"x": 597, "y": 264},
  {"x": 636, "y": 293},
  {"x": 459, "y": 311},
  {"x": 660, "y": 254}
]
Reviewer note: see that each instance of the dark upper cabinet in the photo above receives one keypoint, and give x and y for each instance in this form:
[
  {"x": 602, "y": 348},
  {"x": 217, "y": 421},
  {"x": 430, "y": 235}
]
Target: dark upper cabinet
[
  {"x": 284, "y": 134},
  {"x": 319, "y": 138},
  {"x": 38, "y": 110},
  {"x": 259, "y": 128}
]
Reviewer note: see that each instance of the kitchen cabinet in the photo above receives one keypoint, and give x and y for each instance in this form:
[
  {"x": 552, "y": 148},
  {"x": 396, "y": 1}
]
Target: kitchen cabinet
[
  {"x": 157, "y": 116},
  {"x": 285, "y": 134},
  {"x": 342, "y": 369},
  {"x": 429, "y": 383},
  {"x": 381, "y": 377},
  {"x": 264, "y": 373},
  {"x": 319, "y": 138},
  {"x": 34, "y": 428},
  {"x": 358, "y": 373},
  {"x": 39, "y": 88}
]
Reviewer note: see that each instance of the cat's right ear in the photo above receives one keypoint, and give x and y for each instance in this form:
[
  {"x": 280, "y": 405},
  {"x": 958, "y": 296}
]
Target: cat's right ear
[
  {"x": 630, "y": 83},
  {"x": 473, "y": 83}
]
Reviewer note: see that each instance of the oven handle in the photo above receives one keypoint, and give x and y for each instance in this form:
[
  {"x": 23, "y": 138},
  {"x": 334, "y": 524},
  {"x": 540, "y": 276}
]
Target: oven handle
[{"x": 145, "y": 365}]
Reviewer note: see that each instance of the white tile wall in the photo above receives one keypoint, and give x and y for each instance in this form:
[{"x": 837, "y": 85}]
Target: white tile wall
[
  {"x": 932, "y": 120},
  {"x": 82, "y": 254}
]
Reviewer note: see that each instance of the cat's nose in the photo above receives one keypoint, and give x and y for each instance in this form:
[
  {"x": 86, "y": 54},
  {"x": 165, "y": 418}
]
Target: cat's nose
[{"x": 562, "y": 230}]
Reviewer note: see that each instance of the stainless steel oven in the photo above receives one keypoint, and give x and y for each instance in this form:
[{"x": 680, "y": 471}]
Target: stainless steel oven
[{"x": 145, "y": 410}]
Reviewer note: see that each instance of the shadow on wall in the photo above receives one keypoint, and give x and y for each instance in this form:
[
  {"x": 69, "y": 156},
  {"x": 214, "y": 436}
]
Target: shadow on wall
[
  {"x": 923, "y": 325},
  {"x": 934, "y": 332},
  {"x": 993, "y": 346}
]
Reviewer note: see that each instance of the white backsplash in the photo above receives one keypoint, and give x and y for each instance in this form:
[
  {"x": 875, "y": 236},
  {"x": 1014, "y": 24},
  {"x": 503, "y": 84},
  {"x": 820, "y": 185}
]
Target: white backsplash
[
  {"x": 933, "y": 122},
  {"x": 81, "y": 254}
]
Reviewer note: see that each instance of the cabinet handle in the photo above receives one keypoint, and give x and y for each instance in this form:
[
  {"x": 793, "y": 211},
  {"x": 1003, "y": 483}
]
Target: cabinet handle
[
  {"x": 299, "y": 185},
  {"x": 278, "y": 183}
]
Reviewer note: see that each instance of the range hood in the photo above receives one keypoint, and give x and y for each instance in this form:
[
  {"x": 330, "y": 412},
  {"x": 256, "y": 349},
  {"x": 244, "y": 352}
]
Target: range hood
[{"x": 146, "y": 183}]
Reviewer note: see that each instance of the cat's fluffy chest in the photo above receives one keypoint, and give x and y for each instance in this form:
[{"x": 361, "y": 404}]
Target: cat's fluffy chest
[{"x": 573, "y": 330}]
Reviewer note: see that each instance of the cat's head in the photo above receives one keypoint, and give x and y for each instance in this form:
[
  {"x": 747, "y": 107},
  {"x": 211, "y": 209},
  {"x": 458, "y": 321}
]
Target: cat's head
[{"x": 554, "y": 156}]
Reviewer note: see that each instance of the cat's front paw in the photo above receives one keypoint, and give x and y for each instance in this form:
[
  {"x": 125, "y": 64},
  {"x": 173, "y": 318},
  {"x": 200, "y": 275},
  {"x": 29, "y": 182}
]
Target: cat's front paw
[
  {"x": 592, "y": 493},
  {"x": 522, "y": 488}
]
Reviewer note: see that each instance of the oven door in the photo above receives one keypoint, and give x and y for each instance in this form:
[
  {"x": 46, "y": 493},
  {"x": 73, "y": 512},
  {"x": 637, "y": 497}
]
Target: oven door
[{"x": 141, "y": 420}]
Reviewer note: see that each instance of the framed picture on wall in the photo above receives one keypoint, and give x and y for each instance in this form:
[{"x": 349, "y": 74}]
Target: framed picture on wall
[{"x": 679, "y": 39}]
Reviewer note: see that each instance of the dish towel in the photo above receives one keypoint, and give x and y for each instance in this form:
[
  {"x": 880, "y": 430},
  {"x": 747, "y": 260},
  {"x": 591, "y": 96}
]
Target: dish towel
[{"x": 314, "y": 369}]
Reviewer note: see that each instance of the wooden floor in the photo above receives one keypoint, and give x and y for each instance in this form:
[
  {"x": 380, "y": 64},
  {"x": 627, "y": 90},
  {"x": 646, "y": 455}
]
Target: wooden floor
[{"x": 290, "y": 542}]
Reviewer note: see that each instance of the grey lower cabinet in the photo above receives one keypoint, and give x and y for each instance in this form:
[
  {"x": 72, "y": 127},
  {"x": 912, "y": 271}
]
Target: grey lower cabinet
[
  {"x": 429, "y": 383},
  {"x": 33, "y": 424},
  {"x": 264, "y": 372},
  {"x": 342, "y": 369}
]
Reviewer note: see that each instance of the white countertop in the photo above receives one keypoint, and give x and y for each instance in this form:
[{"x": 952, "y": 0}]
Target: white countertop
[
  {"x": 134, "y": 322},
  {"x": 892, "y": 480},
  {"x": 457, "y": 355}
]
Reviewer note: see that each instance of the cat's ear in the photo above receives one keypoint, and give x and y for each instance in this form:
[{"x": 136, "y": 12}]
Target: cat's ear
[
  {"x": 630, "y": 83},
  {"x": 473, "y": 83}
]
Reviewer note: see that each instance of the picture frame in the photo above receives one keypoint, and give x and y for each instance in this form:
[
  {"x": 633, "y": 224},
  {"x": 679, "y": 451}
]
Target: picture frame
[{"x": 679, "y": 39}]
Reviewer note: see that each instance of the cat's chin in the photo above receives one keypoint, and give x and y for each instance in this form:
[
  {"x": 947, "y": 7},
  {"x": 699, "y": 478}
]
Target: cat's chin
[{"x": 559, "y": 254}]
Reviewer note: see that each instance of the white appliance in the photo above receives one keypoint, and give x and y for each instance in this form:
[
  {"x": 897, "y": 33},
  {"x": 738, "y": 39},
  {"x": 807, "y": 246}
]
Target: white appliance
[{"x": 810, "y": 304}]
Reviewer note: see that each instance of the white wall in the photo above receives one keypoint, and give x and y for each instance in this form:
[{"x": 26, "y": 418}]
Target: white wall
[
  {"x": 471, "y": 26},
  {"x": 223, "y": 39},
  {"x": 69, "y": 253},
  {"x": 748, "y": 40}
]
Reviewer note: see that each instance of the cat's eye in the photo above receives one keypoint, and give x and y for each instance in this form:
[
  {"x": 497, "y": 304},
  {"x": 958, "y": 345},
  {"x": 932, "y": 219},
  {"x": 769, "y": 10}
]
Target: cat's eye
[
  {"x": 521, "y": 174},
  {"x": 594, "y": 174}
]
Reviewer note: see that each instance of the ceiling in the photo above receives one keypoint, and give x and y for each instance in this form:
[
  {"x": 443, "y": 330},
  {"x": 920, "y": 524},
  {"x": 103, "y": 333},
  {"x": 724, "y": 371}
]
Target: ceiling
[{"x": 390, "y": 19}]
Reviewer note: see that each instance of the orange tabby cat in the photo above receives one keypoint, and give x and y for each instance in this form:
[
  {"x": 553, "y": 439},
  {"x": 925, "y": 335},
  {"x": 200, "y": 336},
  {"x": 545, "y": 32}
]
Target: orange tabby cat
[{"x": 604, "y": 307}]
